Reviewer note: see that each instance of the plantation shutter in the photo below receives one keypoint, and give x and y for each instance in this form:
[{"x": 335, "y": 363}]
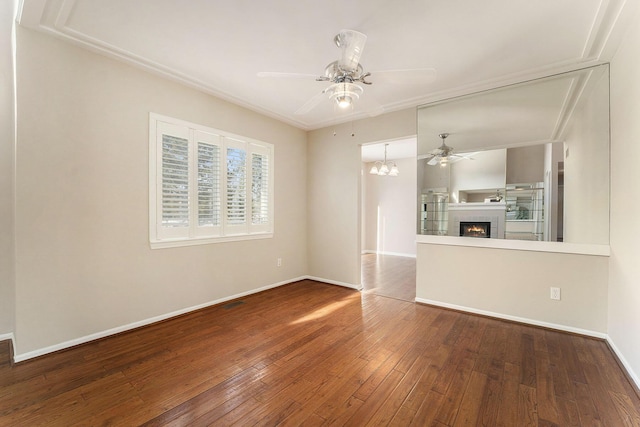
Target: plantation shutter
[
  {"x": 172, "y": 184},
  {"x": 236, "y": 189},
  {"x": 208, "y": 184},
  {"x": 261, "y": 197}
]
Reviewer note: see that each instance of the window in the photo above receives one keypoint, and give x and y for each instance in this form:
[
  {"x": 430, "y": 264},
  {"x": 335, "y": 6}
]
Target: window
[{"x": 206, "y": 185}]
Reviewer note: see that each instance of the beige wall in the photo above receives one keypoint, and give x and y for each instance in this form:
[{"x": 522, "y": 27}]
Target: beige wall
[
  {"x": 525, "y": 164},
  {"x": 84, "y": 264},
  {"x": 7, "y": 138},
  {"x": 334, "y": 192},
  {"x": 516, "y": 284},
  {"x": 332, "y": 255},
  {"x": 624, "y": 278},
  {"x": 390, "y": 210}
]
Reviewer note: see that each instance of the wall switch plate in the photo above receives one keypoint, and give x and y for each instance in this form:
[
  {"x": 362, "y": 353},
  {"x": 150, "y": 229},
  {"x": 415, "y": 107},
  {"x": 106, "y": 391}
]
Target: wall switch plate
[
  {"x": 279, "y": 262},
  {"x": 555, "y": 293}
]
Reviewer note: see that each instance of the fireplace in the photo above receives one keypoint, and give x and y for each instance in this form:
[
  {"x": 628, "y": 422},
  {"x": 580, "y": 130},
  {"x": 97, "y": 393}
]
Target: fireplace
[{"x": 475, "y": 229}]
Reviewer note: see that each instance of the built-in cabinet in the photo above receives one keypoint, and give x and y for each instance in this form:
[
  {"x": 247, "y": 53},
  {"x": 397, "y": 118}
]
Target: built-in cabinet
[
  {"x": 434, "y": 213},
  {"x": 525, "y": 211}
]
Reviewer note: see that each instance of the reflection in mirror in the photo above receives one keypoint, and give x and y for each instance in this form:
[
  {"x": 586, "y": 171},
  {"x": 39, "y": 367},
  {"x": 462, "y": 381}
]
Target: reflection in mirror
[{"x": 527, "y": 161}]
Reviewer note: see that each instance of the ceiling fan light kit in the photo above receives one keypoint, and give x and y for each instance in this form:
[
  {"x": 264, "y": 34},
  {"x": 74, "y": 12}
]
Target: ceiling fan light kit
[{"x": 344, "y": 93}]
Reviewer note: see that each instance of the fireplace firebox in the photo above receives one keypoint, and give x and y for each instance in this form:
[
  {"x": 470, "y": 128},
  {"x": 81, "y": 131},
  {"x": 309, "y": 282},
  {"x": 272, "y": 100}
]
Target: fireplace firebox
[{"x": 475, "y": 229}]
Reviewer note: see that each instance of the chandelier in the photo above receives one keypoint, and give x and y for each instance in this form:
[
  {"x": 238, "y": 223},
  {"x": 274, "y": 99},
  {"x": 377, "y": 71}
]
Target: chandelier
[{"x": 384, "y": 167}]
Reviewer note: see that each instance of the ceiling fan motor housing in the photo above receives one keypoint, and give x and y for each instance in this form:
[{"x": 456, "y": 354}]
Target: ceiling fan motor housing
[{"x": 334, "y": 73}]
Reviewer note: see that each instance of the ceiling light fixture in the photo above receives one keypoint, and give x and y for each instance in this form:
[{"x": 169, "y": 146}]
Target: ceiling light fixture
[
  {"x": 344, "y": 93},
  {"x": 383, "y": 167}
]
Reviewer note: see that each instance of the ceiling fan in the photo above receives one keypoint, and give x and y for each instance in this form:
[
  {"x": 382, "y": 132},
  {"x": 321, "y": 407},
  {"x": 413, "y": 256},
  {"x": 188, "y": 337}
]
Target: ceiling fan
[
  {"x": 347, "y": 75},
  {"x": 444, "y": 154}
]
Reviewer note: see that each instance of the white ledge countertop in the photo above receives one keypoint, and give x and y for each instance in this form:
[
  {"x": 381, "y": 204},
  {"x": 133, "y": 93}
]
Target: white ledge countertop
[
  {"x": 516, "y": 245},
  {"x": 478, "y": 206}
]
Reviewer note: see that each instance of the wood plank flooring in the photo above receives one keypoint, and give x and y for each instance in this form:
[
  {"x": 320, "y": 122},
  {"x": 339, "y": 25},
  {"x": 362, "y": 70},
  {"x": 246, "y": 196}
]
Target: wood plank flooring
[
  {"x": 389, "y": 276},
  {"x": 310, "y": 354}
]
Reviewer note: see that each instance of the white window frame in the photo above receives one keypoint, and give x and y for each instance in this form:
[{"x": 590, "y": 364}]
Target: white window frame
[{"x": 161, "y": 236}]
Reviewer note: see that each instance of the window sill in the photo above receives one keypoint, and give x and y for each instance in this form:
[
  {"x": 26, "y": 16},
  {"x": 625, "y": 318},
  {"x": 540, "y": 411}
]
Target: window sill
[{"x": 175, "y": 243}]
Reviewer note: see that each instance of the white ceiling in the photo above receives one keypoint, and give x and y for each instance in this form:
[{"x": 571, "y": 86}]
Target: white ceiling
[{"x": 219, "y": 46}]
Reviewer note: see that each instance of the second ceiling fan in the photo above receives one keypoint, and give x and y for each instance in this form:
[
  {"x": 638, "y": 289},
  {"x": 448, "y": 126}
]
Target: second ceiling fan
[{"x": 444, "y": 154}]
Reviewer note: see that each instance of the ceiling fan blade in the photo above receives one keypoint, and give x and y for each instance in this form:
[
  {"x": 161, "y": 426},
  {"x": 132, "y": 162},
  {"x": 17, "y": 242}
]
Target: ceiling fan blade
[
  {"x": 352, "y": 44},
  {"x": 461, "y": 156},
  {"x": 311, "y": 104},
  {"x": 434, "y": 161},
  {"x": 408, "y": 76},
  {"x": 291, "y": 75}
]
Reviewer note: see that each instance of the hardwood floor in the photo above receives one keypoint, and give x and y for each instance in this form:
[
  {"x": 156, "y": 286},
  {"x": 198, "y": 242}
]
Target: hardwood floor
[
  {"x": 389, "y": 276},
  {"x": 316, "y": 354}
]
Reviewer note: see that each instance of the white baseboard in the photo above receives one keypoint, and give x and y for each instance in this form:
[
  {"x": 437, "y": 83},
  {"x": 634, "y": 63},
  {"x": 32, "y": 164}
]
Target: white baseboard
[
  {"x": 61, "y": 346},
  {"x": 634, "y": 377},
  {"x": 357, "y": 287},
  {"x": 515, "y": 318},
  {"x": 368, "y": 251},
  {"x": 9, "y": 336}
]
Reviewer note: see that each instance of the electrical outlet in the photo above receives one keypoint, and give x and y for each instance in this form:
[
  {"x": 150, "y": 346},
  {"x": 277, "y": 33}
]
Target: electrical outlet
[
  {"x": 555, "y": 293},
  {"x": 279, "y": 262}
]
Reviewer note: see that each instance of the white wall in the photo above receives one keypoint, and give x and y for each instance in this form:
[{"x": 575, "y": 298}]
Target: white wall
[
  {"x": 433, "y": 177},
  {"x": 486, "y": 171},
  {"x": 83, "y": 262},
  {"x": 586, "y": 164},
  {"x": 390, "y": 210},
  {"x": 7, "y": 140},
  {"x": 624, "y": 277}
]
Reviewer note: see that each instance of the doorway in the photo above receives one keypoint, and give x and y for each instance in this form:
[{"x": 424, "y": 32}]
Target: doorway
[{"x": 389, "y": 218}]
